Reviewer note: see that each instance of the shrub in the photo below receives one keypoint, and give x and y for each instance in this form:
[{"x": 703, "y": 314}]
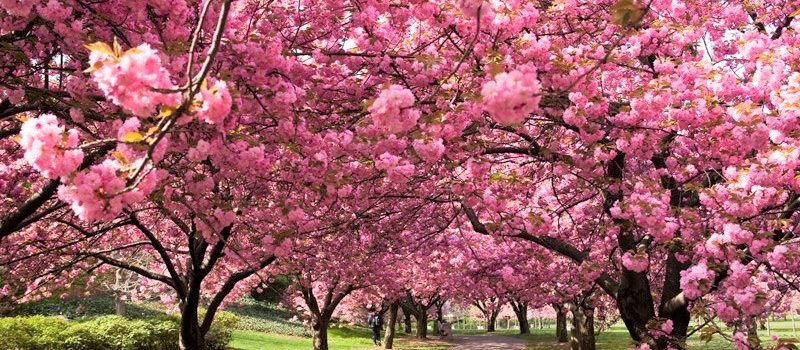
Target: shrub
[
  {"x": 34, "y": 333},
  {"x": 106, "y": 333},
  {"x": 124, "y": 334},
  {"x": 221, "y": 331},
  {"x": 103, "y": 333}
]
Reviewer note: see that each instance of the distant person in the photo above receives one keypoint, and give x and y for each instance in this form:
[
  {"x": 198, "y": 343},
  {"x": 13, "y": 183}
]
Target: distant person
[{"x": 375, "y": 321}]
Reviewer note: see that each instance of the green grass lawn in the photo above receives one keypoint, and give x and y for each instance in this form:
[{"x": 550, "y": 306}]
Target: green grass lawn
[
  {"x": 357, "y": 338},
  {"x": 617, "y": 338},
  {"x": 338, "y": 338},
  {"x": 345, "y": 338}
]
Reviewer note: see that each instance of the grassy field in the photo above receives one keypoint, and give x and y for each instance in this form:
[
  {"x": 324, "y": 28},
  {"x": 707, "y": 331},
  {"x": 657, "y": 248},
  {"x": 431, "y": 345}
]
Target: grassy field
[
  {"x": 617, "y": 338},
  {"x": 338, "y": 339}
]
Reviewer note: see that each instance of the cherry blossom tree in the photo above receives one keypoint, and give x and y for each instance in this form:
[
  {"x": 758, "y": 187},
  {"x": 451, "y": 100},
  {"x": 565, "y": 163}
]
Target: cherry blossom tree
[{"x": 652, "y": 146}]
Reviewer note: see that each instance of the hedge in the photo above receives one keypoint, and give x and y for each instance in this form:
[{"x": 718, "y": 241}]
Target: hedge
[{"x": 105, "y": 333}]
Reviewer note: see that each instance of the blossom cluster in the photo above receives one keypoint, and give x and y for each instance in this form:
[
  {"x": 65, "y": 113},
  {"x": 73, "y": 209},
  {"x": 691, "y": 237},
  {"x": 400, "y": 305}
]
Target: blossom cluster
[
  {"x": 511, "y": 97},
  {"x": 132, "y": 79},
  {"x": 697, "y": 280},
  {"x": 398, "y": 170},
  {"x": 392, "y": 112},
  {"x": 100, "y": 193},
  {"x": 214, "y": 104},
  {"x": 49, "y": 148}
]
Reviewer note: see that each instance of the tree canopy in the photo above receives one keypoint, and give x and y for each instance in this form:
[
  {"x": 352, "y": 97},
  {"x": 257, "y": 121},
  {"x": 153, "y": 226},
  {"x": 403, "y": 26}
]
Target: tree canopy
[{"x": 640, "y": 156}]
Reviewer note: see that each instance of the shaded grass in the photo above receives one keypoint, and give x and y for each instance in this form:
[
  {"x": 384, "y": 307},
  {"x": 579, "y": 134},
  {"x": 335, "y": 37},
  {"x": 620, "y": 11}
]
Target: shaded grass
[{"x": 264, "y": 317}]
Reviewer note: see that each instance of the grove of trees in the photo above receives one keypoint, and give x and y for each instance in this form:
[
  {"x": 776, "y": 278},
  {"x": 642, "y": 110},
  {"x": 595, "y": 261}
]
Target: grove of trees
[{"x": 616, "y": 159}]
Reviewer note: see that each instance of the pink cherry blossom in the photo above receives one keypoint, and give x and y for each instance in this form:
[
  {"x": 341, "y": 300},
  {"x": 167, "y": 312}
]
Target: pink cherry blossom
[
  {"x": 215, "y": 104},
  {"x": 635, "y": 262},
  {"x": 393, "y": 112},
  {"x": 130, "y": 80},
  {"x": 697, "y": 280},
  {"x": 511, "y": 97},
  {"x": 431, "y": 151},
  {"x": 49, "y": 148}
]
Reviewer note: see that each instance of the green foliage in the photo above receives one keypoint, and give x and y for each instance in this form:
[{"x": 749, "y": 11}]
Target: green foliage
[
  {"x": 102, "y": 333},
  {"x": 106, "y": 333},
  {"x": 273, "y": 291},
  {"x": 221, "y": 331},
  {"x": 121, "y": 333},
  {"x": 92, "y": 307}
]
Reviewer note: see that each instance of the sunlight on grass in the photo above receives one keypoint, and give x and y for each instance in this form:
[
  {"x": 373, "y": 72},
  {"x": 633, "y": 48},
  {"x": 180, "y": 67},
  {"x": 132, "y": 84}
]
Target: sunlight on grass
[
  {"x": 355, "y": 338},
  {"x": 338, "y": 338},
  {"x": 617, "y": 338}
]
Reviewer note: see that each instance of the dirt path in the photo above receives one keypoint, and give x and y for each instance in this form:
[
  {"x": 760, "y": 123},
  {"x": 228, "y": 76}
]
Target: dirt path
[{"x": 487, "y": 342}]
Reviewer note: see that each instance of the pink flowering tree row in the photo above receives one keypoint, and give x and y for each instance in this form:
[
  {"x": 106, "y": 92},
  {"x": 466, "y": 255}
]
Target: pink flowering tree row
[{"x": 651, "y": 147}]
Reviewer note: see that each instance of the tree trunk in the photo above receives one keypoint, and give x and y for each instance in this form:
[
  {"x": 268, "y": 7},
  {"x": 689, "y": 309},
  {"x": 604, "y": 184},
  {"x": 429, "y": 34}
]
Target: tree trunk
[
  {"x": 439, "y": 317},
  {"x": 422, "y": 325},
  {"x": 752, "y": 335},
  {"x": 320, "y": 328},
  {"x": 561, "y": 324},
  {"x": 491, "y": 321},
  {"x": 582, "y": 328},
  {"x": 119, "y": 305},
  {"x": 522, "y": 318},
  {"x": 406, "y": 322},
  {"x": 390, "y": 325},
  {"x": 679, "y": 316},
  {"x": 190, "y": 337},
  {"x": 634, "y": 300}
]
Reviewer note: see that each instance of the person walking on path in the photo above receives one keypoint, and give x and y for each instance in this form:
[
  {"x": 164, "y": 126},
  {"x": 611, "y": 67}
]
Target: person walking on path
[{"x": 375, "y": 321}]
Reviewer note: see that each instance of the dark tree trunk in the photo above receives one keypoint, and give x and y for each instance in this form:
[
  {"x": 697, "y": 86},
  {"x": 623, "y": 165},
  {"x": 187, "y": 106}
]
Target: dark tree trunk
[
  {"x": 521, "y": 310},
  {"x": 634, "y": 301},
  {"x": 491, "y": 321},
  {"x": 582, "y": 328},
  {"x": 422, "y": 325},
  {"x": 679, "y": 316},
  {"x": 321, "y": 314},
  {"x": 522, "y": 318},
  {"x": 406, "y": 322},
  {"x": 561, "y": 323},
  {"x": 439, "y": 317},
  {"x": 390, "y": 325},
  {"x": 320, "y": 328},
  {"x": 190, "y": 337}
]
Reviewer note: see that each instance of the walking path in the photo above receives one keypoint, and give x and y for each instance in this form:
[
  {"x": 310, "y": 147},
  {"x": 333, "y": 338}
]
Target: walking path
[{"x": 487, "y": 342}]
